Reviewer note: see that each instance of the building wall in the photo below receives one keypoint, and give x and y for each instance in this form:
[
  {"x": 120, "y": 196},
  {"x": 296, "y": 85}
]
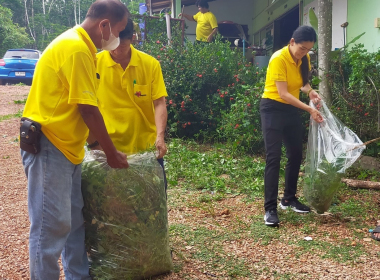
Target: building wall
[
  {"x": 339, "y": 12},
  {"x": 238, "y": 11},
  {"x": 361, "y": 18},
  {"x": 265, "y": 12},
  {"x": 258, "y": 14}
]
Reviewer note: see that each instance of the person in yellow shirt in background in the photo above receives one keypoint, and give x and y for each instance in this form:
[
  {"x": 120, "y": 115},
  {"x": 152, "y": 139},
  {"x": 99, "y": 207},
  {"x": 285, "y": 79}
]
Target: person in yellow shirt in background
[
  {"x": 207, "y": 26},
  {"x": 62, "y": 100},
  {"x": 287, "y": 74},
  {"x": 131, "y": 98}
]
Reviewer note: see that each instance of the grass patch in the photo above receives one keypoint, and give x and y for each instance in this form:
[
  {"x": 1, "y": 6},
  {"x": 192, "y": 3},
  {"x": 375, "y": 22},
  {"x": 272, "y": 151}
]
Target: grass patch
[
  {"x": 20, "y": 101},
  {"x": 11, "y": 116},
  {"x": 297, "y": 219},
  {"x": 213, "y": 169},
  {"x": 206, "y": 246},
  {"x": 264, "y": 234},
  {"x": 356, "y": 205},
  {"x": 341, "y": 251}
]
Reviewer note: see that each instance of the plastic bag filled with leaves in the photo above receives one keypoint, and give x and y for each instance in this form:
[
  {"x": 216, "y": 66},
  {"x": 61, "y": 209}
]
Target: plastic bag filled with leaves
[
  {"x": 126, "y": 218},
  {"x": 331, "y": 149}
]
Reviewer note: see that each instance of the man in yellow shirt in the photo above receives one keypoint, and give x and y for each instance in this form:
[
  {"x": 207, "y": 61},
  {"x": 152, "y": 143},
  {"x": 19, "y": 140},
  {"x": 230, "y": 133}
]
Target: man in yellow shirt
[
  {"x": 207, "y": 26},
  {"x": 131, "y": 98},
  {"x": 63, "y": 101}
]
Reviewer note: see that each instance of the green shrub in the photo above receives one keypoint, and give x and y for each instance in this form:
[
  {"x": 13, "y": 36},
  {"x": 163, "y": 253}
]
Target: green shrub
[
  {"x": 355, "y": 81},
  {"x": 240, "y": 125}
]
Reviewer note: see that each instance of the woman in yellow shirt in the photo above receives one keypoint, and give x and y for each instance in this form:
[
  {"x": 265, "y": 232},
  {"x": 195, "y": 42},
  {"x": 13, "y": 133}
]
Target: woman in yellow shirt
[{"x": 287, "y": 73}]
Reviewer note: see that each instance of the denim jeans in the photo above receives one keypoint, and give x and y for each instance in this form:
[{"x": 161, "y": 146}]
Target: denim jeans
[
  {"x": 55, "y": 205},
  {"x": 281, "y": 123}
]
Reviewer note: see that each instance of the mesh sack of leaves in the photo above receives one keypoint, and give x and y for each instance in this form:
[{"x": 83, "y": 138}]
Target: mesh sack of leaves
[
  {"x": 331, "y": 149},
  {"x": 126, "y": 218}
]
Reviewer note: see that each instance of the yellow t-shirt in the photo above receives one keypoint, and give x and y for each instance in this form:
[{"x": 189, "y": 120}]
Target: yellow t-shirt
[
  {"x": 282, "y": 68},
  {"x": 126, "y": 99},
  {"x": 206, "y": 22},
  {"x": 65, "y": 76}
]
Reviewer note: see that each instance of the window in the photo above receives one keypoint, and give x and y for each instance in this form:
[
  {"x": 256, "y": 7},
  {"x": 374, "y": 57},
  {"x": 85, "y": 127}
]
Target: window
[{"x": 22, "y": 54}]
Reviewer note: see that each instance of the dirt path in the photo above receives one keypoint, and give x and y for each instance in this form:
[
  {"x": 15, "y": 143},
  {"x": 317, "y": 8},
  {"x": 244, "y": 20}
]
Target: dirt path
[{"x": 278, "y": 259}]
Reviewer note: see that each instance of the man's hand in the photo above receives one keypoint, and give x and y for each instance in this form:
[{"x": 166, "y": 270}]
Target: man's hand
[
  {"x": 161, "y": 147},
  {"x": 210, "y": 37},
  {"x": 117, "y": 160},
  {"x": 95, "y": 123},
  {"x": 188, "y": 17}
]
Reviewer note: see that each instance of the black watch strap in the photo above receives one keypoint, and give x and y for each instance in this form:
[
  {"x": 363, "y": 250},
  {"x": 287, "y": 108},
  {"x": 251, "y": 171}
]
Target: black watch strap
[{"x": 93, "y": 145}]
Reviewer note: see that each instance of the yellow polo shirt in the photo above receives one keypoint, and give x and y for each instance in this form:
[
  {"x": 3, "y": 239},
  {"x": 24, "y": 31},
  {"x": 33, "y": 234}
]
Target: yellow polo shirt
[
  {"x": 206, "y": 22},
  {"x": 64, "y": 77},
  {"x": 126, "y": 99},
  {"x": 282, "y": 68}
]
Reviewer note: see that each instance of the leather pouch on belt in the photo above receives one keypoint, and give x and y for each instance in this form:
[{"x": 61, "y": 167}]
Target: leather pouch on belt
[{"x": 30, "y": 136}]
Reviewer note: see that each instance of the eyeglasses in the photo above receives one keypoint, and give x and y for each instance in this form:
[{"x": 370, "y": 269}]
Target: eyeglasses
[{"x": 303, "y": 48}]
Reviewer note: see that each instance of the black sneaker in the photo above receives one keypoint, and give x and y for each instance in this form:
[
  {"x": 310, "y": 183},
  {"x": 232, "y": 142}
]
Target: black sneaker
[
  {"x": 271, "y": 218},
  {"x": 295, "y": 205}
]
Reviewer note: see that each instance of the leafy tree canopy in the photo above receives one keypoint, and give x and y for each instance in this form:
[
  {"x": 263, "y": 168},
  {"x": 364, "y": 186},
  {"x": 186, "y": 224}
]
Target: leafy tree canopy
[{"x": 11, "y": 34}]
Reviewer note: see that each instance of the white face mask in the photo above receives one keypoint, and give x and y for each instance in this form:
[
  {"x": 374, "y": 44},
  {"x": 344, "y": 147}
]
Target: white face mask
[{"x": 112, "y": 43}]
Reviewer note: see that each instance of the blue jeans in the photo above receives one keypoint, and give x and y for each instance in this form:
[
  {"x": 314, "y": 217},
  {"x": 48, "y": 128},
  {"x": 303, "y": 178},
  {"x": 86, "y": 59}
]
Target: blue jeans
[{"x": 55, "y": 212}]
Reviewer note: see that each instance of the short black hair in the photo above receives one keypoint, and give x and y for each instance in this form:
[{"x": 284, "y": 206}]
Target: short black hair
[
  {"x": 114, "y": 10},
  {"x": 127, "y": 33},
  {"x": 202, "y": 4}
]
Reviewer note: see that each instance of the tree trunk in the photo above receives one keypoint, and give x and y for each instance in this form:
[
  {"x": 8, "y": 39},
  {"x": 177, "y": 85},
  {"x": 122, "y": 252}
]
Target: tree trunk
[
  {"x": 324, "y": 47},
  {"x": 75, "y": 12},
  {"x": 28, "y": 23},
  {"x": 361, "y": 184}
]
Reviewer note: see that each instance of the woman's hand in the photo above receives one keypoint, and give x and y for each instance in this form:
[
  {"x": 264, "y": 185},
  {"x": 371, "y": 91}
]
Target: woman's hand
[
  {"x": 314, "y": 97},
  {"x": 316, "y": 115}
]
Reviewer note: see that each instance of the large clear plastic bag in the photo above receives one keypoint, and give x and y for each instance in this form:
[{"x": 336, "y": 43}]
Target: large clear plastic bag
[
  {"x": 126, "y": 220},
  {"x": 331, "y": 149}
]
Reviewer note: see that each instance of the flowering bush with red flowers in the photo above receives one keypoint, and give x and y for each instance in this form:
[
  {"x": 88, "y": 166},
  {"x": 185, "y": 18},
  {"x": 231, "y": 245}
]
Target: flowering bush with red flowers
[
  {"x": 240, "y": 125},
  {"x": 194, "y": 75}
]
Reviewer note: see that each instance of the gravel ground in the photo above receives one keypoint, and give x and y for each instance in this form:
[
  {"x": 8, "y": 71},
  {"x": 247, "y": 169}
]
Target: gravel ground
[{"x": 14, "y": 225}]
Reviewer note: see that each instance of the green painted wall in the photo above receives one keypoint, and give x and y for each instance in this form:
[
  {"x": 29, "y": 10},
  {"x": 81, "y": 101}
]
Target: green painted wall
[
  {"x": 361, "y": 18},
  {"x": 264, "y": 15}
]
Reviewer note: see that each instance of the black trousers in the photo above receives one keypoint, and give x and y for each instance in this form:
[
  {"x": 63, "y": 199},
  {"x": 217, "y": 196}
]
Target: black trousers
[{"x": 281, "y": 123}]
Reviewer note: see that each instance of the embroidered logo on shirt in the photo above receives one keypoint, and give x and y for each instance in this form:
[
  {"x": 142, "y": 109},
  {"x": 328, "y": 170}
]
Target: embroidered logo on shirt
[{"x": 138, "y": 94}]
